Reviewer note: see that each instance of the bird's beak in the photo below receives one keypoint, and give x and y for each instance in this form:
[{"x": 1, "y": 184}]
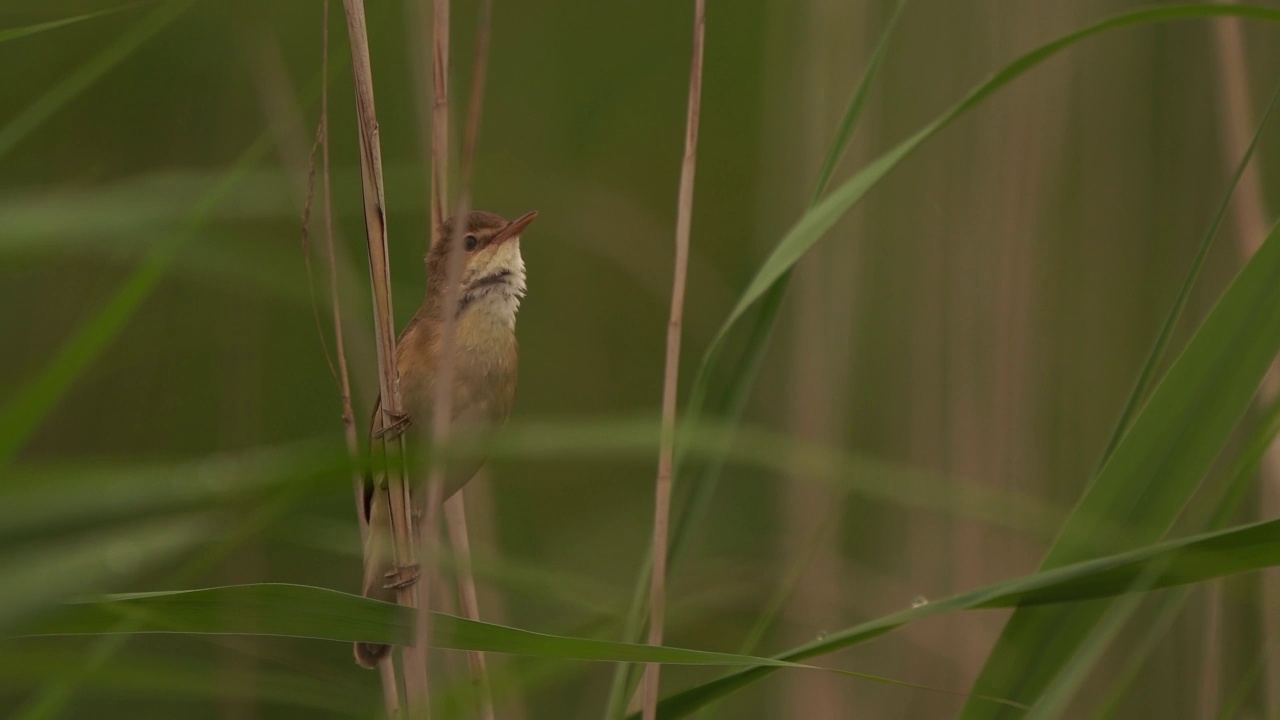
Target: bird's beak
[{"x": 514, "y": 228}]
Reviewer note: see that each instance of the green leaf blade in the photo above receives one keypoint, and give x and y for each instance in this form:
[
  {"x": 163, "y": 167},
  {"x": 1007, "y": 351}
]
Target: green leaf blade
[
  {"x": 1154, "y": 470},
  {"x": 1171, "y": 564}
]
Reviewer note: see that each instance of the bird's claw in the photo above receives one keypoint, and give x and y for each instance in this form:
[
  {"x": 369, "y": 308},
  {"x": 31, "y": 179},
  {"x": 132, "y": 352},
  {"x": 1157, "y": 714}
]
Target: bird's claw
[
  {"x": 402, "y": 576},
  {"x": 399, "y": 423}
]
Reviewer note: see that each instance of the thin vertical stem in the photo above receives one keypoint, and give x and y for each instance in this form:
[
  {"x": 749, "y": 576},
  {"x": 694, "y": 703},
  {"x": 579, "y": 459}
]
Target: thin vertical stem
[
  {"x": 455, "y": 509},
  {"x": 475, "y": 104},
  {"x": 415, "y": 656},
  {"x": 671, "y": 378},
  {"x": 455, "y": 515},
  {"x": 442, "y": 400},
  {"x": 386, "y": 668},
  {"x": 344, "y": 376},
  {"x": 275, "y": 91},
  {"x": 439, "y": 111}
]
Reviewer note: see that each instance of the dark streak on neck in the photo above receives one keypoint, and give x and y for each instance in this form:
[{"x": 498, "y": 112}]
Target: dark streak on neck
[{"x": 482, "y": 286}]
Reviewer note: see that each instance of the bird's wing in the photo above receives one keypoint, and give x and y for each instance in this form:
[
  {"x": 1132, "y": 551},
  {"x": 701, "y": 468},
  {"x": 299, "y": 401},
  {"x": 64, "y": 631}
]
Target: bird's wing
[
  {"x": 375, "y": 507},
  {"x": 468, "y": 417},
  {"x": 371, "y": 478}
]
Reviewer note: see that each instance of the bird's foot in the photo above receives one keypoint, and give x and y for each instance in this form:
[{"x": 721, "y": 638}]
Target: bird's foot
[
  {"x": 399, "y": 423},
  {"x": 402, "y": 576}
]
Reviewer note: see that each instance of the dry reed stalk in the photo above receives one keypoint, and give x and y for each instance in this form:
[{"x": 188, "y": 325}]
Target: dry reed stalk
[
  {"x": 1249, "y": 211},
  {"x": 415, "y": 656},
  {"x": 455, "y": 516},
  {"x": 671, "y": 377},
  {"x": 386, "y": 668},
  {"x": 439, "y": 111},
  {"x": 335, "y": 304},
  {"x": 482, "y": 538}
]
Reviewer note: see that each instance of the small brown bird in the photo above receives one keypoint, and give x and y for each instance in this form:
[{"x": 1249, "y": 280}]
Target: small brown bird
[{"x": 484, "y": 372}]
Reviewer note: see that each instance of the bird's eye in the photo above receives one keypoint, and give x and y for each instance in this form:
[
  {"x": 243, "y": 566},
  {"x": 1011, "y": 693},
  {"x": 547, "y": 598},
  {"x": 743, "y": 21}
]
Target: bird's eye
[{"x": 470, "y": 242}]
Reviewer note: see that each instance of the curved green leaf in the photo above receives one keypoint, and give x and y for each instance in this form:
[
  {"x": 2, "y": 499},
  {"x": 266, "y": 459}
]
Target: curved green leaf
[
  {"x": 1239, "y": 478},
  {"x": 1171, "y": 444},
  {"x": 730, "y": 404},
  {"x": 318, "y": 613},
  {"x": 310, "y": 612},
  {"x": 1179, "y": 562},
  {"x": 770, "y": 279},
  {"x": 820, "y": 218},
  {"x": 1054, "y": 700},
  {"x": 302, "y": 611}
]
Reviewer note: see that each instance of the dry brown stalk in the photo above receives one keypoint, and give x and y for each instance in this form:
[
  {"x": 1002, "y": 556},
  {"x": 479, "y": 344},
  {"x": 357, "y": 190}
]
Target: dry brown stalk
[
  {"x": 455, "y": 517},
  {"x": 475, "y": 105},
  {"x": 439, "y": 111},
  {"x": 415, "y": 656},
  {"x": 666, "y": 453},
  {"x": 386, "y": 669}
]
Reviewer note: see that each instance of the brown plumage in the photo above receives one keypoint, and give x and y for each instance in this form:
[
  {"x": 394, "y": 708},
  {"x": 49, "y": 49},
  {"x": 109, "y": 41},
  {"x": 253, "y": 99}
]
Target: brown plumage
[{"x": 484, "y": 372}]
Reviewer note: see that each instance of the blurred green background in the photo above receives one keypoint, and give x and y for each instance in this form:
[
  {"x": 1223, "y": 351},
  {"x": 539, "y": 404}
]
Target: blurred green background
[{"x": 977, "y": 321}]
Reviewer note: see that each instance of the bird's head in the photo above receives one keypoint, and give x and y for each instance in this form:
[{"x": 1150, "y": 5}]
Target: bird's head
[{"x": 492, "y": 268}]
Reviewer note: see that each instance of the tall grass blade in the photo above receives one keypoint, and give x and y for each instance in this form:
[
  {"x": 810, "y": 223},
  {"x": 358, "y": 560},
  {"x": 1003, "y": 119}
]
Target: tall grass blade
[
  {"x": 1056, "y": 697},
  {"x": 771, "y": 279},
  {"x": 310, "y": 612},
  {"x": 1146, "y": 377},
  {"x": 1240, "y": 478},
  {"x": 814, "y": 223},
  {"x": 1155, "y": 468},
  {"x": 302, "y": 611},
  {"x": 1189, "y": 560},
  {"x": 849, "y": 120}
]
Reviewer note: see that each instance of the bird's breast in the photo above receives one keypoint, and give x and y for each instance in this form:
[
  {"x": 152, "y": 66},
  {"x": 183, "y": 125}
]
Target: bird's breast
[{"x": 485, "y": 368}]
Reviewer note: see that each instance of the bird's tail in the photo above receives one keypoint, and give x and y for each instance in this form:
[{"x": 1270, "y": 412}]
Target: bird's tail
[
  {"x": 368, "y": 655},
  {"x": 378, "y": 560}
]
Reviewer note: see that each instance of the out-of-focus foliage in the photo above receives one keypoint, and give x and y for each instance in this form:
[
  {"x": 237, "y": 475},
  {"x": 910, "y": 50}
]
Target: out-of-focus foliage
[{"x": 946, "y": 370}]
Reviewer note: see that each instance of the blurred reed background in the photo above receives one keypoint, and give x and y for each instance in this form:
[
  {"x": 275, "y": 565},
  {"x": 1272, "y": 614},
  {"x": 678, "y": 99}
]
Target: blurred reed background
[{"x": 979, "y": 319}]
